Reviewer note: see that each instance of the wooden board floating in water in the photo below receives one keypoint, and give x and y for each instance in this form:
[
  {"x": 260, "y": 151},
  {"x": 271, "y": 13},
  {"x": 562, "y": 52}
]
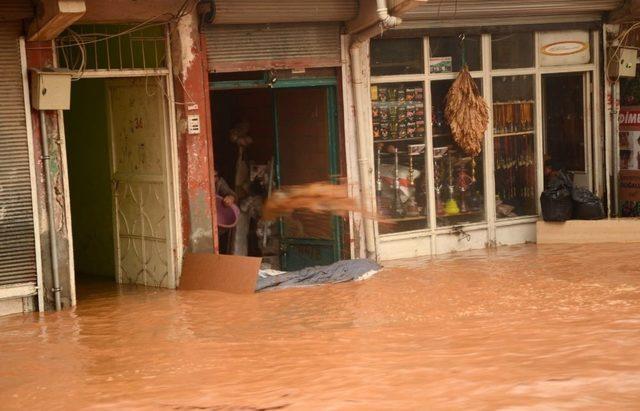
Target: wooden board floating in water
[{"x": 226, "y": 273}]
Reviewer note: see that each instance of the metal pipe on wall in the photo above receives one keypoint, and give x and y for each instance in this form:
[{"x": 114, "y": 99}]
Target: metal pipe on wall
[
  {"x": 613, "y": 163},
  {"x": 53, "y": 241},
  {"x": 365, "y": 168},
  {"x": 607, "y": 152}
]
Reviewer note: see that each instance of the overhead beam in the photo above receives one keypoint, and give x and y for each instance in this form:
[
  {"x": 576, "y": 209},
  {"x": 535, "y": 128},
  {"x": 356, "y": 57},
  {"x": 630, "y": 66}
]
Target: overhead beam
[
  {"x": 53, "y": 17},
  {"x": 630, "y": 10}
]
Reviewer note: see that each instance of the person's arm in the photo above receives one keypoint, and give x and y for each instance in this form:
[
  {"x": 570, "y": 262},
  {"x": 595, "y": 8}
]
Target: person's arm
[{"x": 224, "y": 191}]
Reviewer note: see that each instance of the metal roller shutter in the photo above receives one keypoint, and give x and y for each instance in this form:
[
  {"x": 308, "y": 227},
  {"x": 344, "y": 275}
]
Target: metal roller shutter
[
  {"x": 11, "y": 10},
  {"x": 284, "y": 11},
  {"x": 471, "y": 9},
  {"x": 276, "y": 46},
  {"x": 17, "y": 240}
]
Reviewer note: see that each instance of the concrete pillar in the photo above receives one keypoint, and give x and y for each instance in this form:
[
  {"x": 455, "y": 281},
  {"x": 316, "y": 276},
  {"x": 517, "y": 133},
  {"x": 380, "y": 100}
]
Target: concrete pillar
[
  {"x": 195, "y": 149},
  {"x": 40, "y": 55}
]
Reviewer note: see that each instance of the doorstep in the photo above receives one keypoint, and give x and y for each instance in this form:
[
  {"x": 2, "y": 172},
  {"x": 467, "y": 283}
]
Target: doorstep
[{"x": 613, "y": 230}]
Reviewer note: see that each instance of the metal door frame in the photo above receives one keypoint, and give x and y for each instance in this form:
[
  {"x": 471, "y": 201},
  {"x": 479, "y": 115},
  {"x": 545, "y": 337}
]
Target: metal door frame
[
  {"x": 175, "y": 224},
  {"x": 587, "y": 113},
  {"x": 331, "y": 84},
  {"x": 171, "y": 157}
]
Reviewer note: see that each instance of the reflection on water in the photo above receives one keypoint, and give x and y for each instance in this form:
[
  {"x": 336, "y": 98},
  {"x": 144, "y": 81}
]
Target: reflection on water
[{"x": 547, "y": 327}]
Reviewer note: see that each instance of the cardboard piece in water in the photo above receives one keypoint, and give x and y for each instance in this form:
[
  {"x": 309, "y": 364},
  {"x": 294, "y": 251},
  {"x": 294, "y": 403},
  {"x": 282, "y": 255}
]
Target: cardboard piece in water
[{"x": 227, "y": 273}]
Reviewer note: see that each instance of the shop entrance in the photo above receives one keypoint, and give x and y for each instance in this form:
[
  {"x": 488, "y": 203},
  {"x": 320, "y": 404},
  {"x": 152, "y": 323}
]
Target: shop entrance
[
  {"x": 566, "y": 126},
  {"x": 117, "y": 139},
  {"x": 271, "y": 137}
]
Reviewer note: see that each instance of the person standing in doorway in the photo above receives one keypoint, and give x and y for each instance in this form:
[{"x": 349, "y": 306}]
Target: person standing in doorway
[{"x": 239, "y": 135}]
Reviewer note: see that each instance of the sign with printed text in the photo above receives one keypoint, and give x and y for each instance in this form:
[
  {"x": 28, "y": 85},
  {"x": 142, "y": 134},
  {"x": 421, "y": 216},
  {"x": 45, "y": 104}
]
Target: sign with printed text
[
  {"x": 629, "y": 193},
  {"x": 440, "y": 65},
  {"x": 629, "y": 138},
  {"x": 563, "y": 48},
  {"x": 193, "y": 124},
  {"x": 629, "y": 118}
]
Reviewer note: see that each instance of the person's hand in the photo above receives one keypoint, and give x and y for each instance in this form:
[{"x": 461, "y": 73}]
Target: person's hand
[{"x": 228, "y": 201}]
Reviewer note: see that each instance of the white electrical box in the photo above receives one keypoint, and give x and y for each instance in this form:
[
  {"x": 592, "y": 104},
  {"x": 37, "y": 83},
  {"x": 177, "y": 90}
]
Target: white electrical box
[
  {"x": 624, "y": 63},
  {"x": 51, "y": 89},
  {"x": 193, "y": 124}
]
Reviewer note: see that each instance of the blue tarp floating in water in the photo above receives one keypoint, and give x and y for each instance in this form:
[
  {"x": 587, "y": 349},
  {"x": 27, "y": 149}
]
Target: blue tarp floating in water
[{"x": 339, "y": 272}]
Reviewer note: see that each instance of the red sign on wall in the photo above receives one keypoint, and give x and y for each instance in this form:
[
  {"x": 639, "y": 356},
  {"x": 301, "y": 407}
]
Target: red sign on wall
[{"x": 629, "y": 118}]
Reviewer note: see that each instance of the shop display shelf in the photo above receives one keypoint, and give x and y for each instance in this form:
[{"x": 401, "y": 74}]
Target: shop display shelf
[
  {"x": 400, "y": 219},
  {"x": 466, "y": 213},
  {"x": 403, "y": 153},
  {"x": 396, "y": 140},
  {"x": 398, "y": 103},
  {"x": 515, "y": 133}
]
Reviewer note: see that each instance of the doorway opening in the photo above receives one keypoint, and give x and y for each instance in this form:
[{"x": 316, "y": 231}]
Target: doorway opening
[
  {"x": 271, "y": 137},
  {"x": 116, "y": 136},
  {"x": 566, "y": 127}
]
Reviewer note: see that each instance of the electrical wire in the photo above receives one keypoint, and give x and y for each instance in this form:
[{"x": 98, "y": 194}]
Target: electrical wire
[
  {"x": 185, "y": 9},
  {"x": 72, "y": 39},
  {"x": 620, "y": 41}
]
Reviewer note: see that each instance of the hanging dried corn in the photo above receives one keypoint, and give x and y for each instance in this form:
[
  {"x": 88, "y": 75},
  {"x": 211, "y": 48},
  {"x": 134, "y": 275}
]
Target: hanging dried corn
[{"x": 467, "y": 113}]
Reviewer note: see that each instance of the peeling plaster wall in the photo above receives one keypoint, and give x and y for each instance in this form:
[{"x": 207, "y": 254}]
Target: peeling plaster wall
[{"x": 187, "y": 29}]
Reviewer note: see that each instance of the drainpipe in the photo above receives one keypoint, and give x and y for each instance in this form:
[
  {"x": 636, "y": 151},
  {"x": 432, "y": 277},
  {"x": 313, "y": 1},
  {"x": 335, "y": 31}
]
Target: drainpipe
[
  {"x": 612, "y": 145},
  {"x": 608, "y": 151},
  {"x": 53, "y": 241},
  {"x": 365, "y": 169}
]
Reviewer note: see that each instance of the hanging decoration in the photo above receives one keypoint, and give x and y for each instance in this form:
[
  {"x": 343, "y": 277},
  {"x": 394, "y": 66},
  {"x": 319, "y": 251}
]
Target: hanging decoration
[{"x": 466, "y": 111}]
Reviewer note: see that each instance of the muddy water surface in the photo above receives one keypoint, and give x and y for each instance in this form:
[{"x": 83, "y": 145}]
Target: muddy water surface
[{"x": 524, "y": 328}]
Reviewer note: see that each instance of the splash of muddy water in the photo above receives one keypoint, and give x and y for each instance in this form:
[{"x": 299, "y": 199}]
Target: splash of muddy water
[{"x": 518, "y": 328}]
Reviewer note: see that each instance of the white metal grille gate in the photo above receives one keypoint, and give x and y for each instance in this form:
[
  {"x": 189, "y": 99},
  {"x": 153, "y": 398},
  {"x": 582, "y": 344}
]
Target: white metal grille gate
[{"x": 17, "y": 239}]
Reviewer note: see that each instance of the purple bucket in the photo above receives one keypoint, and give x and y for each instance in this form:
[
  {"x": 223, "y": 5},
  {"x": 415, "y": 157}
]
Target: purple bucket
[{"x": 227, "y": 215}]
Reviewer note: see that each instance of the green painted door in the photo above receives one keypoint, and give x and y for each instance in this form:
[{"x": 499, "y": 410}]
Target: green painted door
[{"x": 306, "y": 145}]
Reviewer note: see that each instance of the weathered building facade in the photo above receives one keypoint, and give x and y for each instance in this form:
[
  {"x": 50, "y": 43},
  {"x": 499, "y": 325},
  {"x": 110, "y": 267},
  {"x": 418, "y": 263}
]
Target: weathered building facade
[{"x": 333, "y": 89}]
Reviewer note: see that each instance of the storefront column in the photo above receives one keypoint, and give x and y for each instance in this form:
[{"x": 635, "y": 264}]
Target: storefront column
[
  {"x": 195, "y": 151},
  {"x": 41, "y": 55}
]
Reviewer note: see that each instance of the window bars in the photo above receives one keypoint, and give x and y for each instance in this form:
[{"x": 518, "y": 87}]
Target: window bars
[{"x": 112, "y": 47}]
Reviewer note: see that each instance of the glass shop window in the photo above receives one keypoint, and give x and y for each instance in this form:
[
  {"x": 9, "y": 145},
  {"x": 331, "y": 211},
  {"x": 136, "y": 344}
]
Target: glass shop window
[
  {"x": 512, "y": 50},
  {"x": 396, "y": 56},
  {"x": 514, "y": 145},
  {"x": 458, "y": 177},
  {"x": 446, "y": 53},
  {"x": 399, "y": 151}
]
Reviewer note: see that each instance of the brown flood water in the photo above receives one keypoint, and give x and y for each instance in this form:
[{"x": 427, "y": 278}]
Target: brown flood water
[{"x": 519, "y": 328}]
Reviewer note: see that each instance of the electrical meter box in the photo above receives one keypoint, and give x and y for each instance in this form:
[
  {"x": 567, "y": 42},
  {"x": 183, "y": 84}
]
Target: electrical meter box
[
  {"x": 51, "y": 89},
  {"x": 624, "y": 63}
]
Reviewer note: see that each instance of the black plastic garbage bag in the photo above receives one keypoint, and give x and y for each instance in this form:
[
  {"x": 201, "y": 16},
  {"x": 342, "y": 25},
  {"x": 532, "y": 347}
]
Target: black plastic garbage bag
[
  {"x": 555, "y": 200},
  {"x": 586, "y": 205}
]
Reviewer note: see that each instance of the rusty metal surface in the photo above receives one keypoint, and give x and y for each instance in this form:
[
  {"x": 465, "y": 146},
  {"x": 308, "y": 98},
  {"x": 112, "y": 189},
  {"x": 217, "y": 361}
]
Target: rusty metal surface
[
  {"x": 262, "y": 47},
  {"x": 17, "y": 241},
  {"x": 284, "y": 11},
  {"x": 129, "y": 11},
  {"x": 227, "y": 11},
  {"x": 461, "y": 9}
]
